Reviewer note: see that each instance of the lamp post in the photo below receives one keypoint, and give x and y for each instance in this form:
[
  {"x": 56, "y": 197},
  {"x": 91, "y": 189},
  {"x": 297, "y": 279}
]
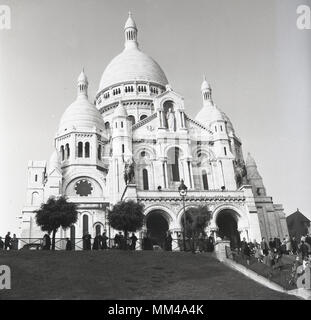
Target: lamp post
[{"x": 183, "y": 192}]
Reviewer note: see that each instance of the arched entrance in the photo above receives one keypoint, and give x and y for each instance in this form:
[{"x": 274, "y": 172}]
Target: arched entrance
[
  {"x": 157, "y": 226},
  {"x": 228, "y": 226}
]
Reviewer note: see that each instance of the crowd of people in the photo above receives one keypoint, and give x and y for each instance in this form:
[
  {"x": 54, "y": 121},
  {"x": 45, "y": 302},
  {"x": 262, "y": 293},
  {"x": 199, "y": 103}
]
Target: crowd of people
[
  {"x": 200, "y": 243},
  {"x": 270, "y": 252},
  {"x": 9, "y": 243}
]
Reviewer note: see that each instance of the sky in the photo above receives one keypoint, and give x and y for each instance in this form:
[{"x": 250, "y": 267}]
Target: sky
[{"x": 256, "y": 59}]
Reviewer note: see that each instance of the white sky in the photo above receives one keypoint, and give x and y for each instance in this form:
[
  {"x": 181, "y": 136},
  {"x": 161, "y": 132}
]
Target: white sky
[{"x": 256, "y": 59}]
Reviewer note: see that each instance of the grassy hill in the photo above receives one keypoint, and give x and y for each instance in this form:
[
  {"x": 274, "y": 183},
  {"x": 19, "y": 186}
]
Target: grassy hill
[{"x": 126, "y": 275}]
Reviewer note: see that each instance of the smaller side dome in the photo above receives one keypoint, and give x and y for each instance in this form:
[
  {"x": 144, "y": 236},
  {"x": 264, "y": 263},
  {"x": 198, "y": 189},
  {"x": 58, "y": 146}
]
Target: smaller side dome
[
  {"x": 81, "y": 114},
  {"x": 120, "y": 111},
  {"x": 209, "y": 114},
  {"x": 216, "y": 114}
]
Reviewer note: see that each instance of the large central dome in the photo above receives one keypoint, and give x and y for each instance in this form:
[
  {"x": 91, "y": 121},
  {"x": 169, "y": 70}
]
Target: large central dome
[{"x": 132, "y": 64}]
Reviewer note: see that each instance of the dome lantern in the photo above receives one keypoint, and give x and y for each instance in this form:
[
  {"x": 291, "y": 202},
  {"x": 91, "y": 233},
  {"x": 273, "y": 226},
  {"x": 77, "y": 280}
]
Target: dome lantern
[
  {"x": 82, "y": 84},
  {"x": 130, "y": 32},
  {"x": 206, "y": 90}
]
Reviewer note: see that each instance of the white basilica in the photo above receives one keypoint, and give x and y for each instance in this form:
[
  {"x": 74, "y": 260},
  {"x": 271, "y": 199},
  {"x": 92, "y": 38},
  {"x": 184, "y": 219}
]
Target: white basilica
[{"x": 139, "y": 121}]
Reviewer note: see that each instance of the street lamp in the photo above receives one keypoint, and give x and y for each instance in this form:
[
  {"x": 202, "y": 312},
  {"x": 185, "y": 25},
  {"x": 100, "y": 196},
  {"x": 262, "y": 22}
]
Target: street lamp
[{"x": 183, "y": 192}]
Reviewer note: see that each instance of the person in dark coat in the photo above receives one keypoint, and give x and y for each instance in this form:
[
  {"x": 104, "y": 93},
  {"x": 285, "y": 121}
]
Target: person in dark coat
[
  {"x": 68, "y": 245},
  {"x": 201, "y": 242},
  {"x": 245, "y": 250},
  {"x": 1, "y": 244},
  {"x": 243, "y": 244},
  {"x": 122, "y": 241},
  {"x": 264, "y": 246},
  {"x": 277, "y": 243},
  {"x": 294, "y": 245},
  {"x": 46, "y": 243},
  {"x": 133, "y": 239},
  {"x": 168, "y": 242},
  {"x": 87, "y": 241},
  {"x": 210, "y": 244},
  {"x": 117, "y": 241},
  {"x": 104, "y": 241},
  {"x": 271, "y": 244},
  {"x": 97, "y": 242},
  {"x": 7, "y": 241}
]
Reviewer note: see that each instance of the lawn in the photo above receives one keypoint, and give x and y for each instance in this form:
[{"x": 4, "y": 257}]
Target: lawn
[{"x": 126, "y": 275}]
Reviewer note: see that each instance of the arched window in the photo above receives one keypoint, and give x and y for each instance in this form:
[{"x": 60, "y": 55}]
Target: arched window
[
  {"x": 107, "y": 125},
  {"x": 121, "y": 124},
  {"x": 98, "y": 229},
  {"x": 87, "y": 150},
  {"x": 225, "y": 151},
  {"x": 99, "y": 152},
  {"x": 122, "y": 148},
  {"x": 142, "y": 117},
  {"x": 80, "y": 149},
  {"x": 204, "y": 179},
  {"x": 221, "y": 128},
  {"x": 85, "y": 224},
  {"x": 132, "y": 118},
  {"x": 145, "y": 179},
  {"x": 36, "y": 177},
  {"x": 35, "y": 199},
  {"x": 62, "y": 151},
  {"x": 173, "y": 162},
  {"x": 67, "y": 151}
]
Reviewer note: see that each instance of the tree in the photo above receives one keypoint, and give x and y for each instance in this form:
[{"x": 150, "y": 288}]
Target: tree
[
  {"x": 197, "y": 219},
  {"x": 126, "y": 216},
  {"x": 56, "y": 213}
]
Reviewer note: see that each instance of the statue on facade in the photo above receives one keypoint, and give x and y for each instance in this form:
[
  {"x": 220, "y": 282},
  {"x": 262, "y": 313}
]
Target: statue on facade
[
  {"x": 170, "y": 117},
  {"x": 129, "y": 172},
  {"x": 240, "y": 173}
]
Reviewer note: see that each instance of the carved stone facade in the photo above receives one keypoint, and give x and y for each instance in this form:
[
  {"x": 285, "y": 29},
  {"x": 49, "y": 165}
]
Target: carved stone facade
[{"x": 138, "y": 142}]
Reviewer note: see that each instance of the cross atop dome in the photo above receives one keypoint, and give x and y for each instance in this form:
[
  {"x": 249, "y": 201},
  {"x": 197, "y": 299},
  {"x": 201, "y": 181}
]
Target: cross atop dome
[{"x": 130, "y": 32}]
